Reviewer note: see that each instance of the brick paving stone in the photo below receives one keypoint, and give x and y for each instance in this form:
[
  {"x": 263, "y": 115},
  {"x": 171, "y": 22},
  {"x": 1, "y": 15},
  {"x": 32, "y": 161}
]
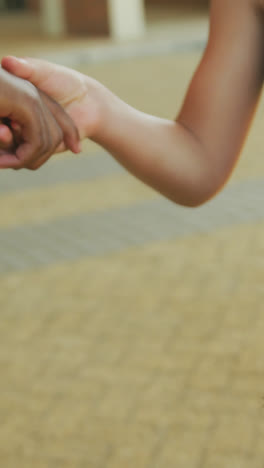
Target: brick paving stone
[{"x": 230, "y": 460}]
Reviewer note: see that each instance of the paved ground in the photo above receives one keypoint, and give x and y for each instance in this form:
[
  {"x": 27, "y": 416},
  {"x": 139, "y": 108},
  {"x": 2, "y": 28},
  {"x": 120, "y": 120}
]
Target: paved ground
[{"x": 131, "y": 330}]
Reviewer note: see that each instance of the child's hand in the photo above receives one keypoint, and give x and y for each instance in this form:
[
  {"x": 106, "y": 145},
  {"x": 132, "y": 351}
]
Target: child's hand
[{"x": 75, "y": 92}]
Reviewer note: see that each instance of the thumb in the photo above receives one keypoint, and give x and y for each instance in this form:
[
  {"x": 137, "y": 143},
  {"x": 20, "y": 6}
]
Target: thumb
[
  {"x": 58, "y": 82},
  {"x": 34, "y": 70}
]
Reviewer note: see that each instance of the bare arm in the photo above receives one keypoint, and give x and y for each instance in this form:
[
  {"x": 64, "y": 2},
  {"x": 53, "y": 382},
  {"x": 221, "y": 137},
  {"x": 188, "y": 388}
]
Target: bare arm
[{"x": 189, "y": 160}]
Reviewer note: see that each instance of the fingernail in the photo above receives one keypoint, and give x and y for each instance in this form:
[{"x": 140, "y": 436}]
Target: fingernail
[
  {"x": 21, "y": 60},
  {"x": 78, "y": 147}
]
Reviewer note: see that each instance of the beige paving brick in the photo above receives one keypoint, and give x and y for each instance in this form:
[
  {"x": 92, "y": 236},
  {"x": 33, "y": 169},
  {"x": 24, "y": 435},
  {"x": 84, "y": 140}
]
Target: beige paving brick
[
  {"x": 26, "y": 462},
  {"x": 224, "y": 402},
  {"x": 150, "y": 356},
  {"x": 159, "y": 401},
  {"x": 121, "y": 396},
  {"x": 182, "y": 447},
  {"x": 251, "y": 358},
  {"x": 234, "y": 434},
  {"x": 256, "y": 462},
  {"x": 248, "y": 383},
  {"x": 197, "y": 421},
  {"x": 230, "y": 460},
  {"x": 260, "y": 434},
  {"x": 134, "y": 446},
  {"x": 211, "y": 373}
]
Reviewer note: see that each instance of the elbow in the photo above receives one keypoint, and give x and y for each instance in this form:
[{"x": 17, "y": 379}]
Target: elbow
[
  {"x": 202, "y": 187},
  {"x": 198, "y": 200},
  {"x": 194, "y": 200},
  {"x": 199, "y": 196}
]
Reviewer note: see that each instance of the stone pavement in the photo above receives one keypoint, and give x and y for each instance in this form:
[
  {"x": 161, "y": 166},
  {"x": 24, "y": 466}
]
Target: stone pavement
[{"x": 131, "y": 329}]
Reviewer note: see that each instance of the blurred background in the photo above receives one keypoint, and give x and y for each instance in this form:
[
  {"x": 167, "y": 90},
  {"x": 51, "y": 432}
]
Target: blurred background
[{"x": 131, "y": 330}]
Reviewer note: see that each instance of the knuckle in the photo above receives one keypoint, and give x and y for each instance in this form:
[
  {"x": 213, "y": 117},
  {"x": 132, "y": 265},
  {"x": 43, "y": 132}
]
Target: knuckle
[
  {"x": 30, "y": 165},
  {"x": 40, "y": 146},
  {"x": 34, "y": 165},
  {"x": 58, "y": 140},
  {"x": 32, "y": 168},
  {"x": 19, "y": 165},
  {"x": 46, "y": 147}
]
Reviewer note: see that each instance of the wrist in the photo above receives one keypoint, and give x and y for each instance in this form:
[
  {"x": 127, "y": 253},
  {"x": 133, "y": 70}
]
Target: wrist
[
  {"x": 110, "y": 116},
  {"x": 96, "y": 108}
]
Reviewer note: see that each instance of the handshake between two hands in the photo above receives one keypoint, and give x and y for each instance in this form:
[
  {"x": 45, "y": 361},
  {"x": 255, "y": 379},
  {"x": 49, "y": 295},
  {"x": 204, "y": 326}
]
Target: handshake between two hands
[{"x": 44, "y": 109}]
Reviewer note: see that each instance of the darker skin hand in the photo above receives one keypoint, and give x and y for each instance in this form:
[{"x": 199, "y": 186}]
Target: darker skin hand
[{"x": 32, "y": 125}]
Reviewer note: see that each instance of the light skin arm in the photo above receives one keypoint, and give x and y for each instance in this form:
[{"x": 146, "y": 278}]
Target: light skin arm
[{"x": 188, "y": 160}]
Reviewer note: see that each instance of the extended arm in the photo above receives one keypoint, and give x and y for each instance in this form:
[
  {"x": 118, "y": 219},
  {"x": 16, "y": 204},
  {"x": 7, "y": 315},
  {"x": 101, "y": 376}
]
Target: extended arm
[{"x": 189, "y": 159}]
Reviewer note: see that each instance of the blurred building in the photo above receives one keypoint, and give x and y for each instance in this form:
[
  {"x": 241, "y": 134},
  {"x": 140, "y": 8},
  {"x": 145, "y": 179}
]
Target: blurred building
[{"x": 118, "y": 18}]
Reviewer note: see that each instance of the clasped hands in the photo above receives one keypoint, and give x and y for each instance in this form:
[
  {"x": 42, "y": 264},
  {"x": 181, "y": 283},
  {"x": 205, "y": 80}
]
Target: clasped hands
[{"x": 44, "y": 109}]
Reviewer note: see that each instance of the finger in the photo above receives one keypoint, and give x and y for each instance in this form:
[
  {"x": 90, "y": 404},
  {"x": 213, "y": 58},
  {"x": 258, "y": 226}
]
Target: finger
[
  {"x": 41, "y": 74},
  {"x": 58, "y": 148},
  {"x": 25, "y": 69},
  {"x": 39, "y": 162},
  {"x": 6, "y": 137},
  {"x": 15, "y": 126},
  {"x": 28, "y": 154},
  {"x": 54, "y": 136},
  {"x": 8, "y": 145},
  {"x": 70, "y": 132},
  {"x": 8, "y": 160},
  {"x": 40, "y": 136},
  {"x": 10, "y": 134},
  {"x": 34, "y": 140}
]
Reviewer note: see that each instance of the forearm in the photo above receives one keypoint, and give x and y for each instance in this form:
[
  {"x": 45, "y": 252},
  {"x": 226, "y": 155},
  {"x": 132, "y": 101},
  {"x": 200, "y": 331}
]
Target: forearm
[{"x": 160, "y": 152}]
